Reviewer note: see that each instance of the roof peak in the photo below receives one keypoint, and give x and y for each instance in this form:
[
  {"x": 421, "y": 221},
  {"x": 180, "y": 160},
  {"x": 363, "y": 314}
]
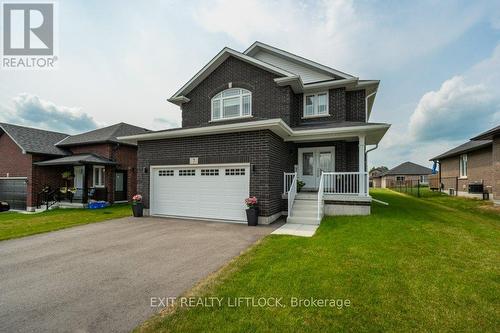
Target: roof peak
[{"x": 32, "y": 128}]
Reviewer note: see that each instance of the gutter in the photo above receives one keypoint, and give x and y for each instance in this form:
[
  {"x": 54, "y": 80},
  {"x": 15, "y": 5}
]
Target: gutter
[{"x": 277, "y": 126}]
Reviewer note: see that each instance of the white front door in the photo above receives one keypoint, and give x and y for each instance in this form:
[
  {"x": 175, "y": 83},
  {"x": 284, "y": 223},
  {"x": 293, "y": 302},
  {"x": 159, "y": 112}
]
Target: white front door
[
  {"x": 79, "y": 172},
  {"x": 313, "y": 161}
]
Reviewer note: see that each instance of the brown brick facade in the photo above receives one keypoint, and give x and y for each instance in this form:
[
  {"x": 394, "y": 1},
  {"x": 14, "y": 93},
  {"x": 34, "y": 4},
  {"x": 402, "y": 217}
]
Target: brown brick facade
[
  {"x": 480, "y": 169},
  {"x": 268, "y": 99},
  {"x": 267, "y": 153}
]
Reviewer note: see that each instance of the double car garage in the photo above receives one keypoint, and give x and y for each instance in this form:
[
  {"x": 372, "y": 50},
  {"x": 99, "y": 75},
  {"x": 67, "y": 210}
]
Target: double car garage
[{"x": 200, "y": 191}]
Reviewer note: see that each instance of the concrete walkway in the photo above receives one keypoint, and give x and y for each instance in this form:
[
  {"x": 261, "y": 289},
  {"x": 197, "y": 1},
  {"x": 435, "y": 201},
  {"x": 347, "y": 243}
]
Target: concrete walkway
[
  {"x": 296, "y": 229},
  {"x": 101, "y": 277}
]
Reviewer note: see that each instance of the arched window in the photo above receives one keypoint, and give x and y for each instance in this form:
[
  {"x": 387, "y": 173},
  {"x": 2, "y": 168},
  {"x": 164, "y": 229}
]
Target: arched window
[{"x": 232, "y": 103}]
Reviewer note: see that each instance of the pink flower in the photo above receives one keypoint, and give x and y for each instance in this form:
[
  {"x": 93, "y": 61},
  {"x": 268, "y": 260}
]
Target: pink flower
[
  {"x": 251, "y": 202},
  {"x": 137, "y": 198}
]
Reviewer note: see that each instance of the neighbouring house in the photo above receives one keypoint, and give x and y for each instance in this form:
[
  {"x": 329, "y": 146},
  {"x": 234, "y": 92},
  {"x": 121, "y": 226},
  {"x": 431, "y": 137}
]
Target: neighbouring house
[
  {"x": 473, "y": 168},
  {"x": 407, "y": 173},
  {"x": 375, "y": 176},
  {"x": 252, "y": 124},
  {"x": 96, "y": 164}
]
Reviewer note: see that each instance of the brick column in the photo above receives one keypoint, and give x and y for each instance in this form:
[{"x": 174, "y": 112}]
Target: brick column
[
  {"x": 496, "y": 169},
  {"x": 361, "y": 164}
]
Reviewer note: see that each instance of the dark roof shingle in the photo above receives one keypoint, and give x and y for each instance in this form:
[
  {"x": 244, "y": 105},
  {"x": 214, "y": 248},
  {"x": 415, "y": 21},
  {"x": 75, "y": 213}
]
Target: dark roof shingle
[
  {"x": 488, "y": 135},
  {"x": 463, "y": 148},
  {"x": 77, "y": 160},
  {"x": 408, "y": 168},
  {"x": 33, "y": 140},
  {"x": 101, "y": 135}
]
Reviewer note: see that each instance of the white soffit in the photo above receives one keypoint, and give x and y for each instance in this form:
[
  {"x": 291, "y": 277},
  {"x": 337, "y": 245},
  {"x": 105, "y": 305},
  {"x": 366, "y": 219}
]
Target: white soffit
[{"x": 258, "y": 47}]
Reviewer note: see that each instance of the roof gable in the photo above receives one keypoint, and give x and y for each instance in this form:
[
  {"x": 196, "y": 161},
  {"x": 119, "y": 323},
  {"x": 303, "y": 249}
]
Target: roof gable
[
  {"x": 225, "y": 53},
  {"x": 102, "y": 135},
  {"x": 409, "y": 168},
  {"x": 463, "y": 148},
  {"x": 294, "y": 62},
  {"x": 34, "y": 140}
]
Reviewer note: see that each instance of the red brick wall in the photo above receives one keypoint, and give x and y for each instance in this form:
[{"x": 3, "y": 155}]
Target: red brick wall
[
  {"x": 102, "y": 149},
  {"x": 14, "y": 163},
  {"x": 12, "y": 159},
  {"x": 125, "y": 156}
]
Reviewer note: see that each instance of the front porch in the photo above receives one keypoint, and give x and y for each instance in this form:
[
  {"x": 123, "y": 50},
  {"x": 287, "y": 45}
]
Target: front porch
[
  {"x": 320, "y": 186},
  {"x": 78, "y": 179}
]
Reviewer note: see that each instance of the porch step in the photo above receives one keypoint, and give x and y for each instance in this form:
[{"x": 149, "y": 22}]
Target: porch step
[
  {"x": 305, "y": 209},
  {"x": 302, "y": 220},
  {"x": 306, "y": 196}
]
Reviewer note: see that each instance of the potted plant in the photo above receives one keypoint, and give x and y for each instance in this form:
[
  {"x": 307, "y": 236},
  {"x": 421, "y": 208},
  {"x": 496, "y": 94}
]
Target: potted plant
[
  {"x": 300, "y": 185},
  {"x": 252, "y": 211},
  {"x": 137, "y": 205}
]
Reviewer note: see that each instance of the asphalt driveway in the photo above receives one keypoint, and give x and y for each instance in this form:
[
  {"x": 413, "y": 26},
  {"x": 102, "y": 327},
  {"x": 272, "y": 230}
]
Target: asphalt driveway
[{"x": 101, "y": 277}]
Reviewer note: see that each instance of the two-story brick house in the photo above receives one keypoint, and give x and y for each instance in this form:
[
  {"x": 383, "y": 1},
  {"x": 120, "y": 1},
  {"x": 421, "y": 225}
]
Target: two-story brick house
[
  {"x": 99, "y": 166},
  {"x": 252, "y": 124}
]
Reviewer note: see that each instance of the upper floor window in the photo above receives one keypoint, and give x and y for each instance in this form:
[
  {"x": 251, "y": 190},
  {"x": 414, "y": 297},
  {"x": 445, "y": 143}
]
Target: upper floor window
[
  {"x": 463, "y": 165},
  {"x": 232, "y": 103},
  {"x": 316, "y": 104}
]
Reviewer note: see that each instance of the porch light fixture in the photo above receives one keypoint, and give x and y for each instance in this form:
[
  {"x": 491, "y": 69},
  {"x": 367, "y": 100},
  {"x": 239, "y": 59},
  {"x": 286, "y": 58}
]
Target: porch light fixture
[{"x": 145, "y": 170}]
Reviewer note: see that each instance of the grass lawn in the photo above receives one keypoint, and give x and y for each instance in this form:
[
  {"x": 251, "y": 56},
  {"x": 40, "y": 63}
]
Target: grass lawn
[
  {"x": 419, "y": 264},
  {"x": 15, "y": 225}
]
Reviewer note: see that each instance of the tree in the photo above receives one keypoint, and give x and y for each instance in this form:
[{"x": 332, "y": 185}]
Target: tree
[{"x": 380, "y": 168}]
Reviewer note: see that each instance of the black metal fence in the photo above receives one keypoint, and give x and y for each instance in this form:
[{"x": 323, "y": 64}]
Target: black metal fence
[{"x": 411, "y": 187}]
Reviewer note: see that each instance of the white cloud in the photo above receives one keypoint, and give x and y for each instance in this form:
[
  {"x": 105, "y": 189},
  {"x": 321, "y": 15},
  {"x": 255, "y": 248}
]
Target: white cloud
[
  {"x": 30, "y": 110},
  {"x": 348, "y": 35},
  {"x": 463, "y": 106},
  {"x": 457, "y": 109}
]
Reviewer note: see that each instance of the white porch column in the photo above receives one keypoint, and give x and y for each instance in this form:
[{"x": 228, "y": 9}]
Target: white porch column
[{"x": 361, "y": 168}]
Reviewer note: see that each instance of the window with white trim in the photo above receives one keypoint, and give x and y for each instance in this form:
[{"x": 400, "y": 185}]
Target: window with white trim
[
  {"x": 316, "y": 104},
  {"x": 400, "y": 178},
  {"x": 463, "y": 166},
  {"x": 98, "y": 176},
  {"x": 232, "y": 103}
]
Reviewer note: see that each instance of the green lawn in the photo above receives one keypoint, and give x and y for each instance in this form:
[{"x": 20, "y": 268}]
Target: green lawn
[
  {"x": 428, "y": 264},
  {"x": 15, "y": 225}
]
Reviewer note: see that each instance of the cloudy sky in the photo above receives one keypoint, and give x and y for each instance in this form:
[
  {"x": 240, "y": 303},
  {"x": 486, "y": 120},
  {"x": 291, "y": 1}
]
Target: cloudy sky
[{"x": 438, "y": 62}]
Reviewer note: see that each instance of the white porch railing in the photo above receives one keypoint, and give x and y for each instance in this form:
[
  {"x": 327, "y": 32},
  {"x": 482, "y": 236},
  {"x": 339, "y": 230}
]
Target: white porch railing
[
  {"x": 292, "y": 192},
  {"x": 288, "y": 180},
  {"x": 345, "y": 183},
  {"x": 321, "y": 190}
]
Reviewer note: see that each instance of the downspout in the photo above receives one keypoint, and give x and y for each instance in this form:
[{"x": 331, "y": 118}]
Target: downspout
[
  {"x": 366, "y": 168},
  {"x": 366, "y": 106}
]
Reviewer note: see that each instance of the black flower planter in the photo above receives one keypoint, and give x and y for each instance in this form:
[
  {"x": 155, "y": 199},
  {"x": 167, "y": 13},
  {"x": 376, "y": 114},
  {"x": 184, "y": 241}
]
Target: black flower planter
[
  {"x": 252, "y": 216},
  {"x": 137, "y": 208}
]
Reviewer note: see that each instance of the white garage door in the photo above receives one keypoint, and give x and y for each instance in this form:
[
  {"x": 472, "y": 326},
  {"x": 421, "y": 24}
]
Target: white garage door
[{"x": 210, "y": 191}]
